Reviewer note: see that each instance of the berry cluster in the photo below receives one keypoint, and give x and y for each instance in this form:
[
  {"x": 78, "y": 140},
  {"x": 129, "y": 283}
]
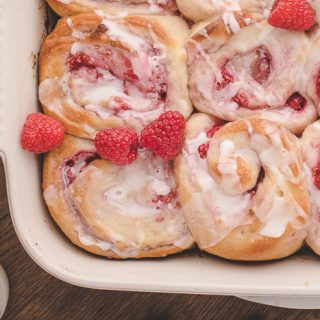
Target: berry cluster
[{"x": 164, "y": 136}]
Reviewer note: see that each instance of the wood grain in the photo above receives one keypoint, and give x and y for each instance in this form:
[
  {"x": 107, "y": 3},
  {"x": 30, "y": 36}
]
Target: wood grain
[{"x": 37, "y": 295}]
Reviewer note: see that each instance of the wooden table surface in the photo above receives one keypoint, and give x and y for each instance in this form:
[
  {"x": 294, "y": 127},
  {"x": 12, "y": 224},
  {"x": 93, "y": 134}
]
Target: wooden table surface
[{"x": 37, "y": 295}]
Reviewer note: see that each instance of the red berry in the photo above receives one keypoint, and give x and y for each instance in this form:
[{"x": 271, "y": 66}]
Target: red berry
[
  {"x": 41, "y": 133},
  {"x": 165, "y": 135},
  {"x": 117, "y": 145},
  {"x": 292, "y": 15}
]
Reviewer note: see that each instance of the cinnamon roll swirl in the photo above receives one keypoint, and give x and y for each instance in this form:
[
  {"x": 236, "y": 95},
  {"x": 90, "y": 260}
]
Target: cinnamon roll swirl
[
  {"x": 114, "y": 211},
  {"x": 243, "y": 188},
  {"x": 97, "y": 73}
]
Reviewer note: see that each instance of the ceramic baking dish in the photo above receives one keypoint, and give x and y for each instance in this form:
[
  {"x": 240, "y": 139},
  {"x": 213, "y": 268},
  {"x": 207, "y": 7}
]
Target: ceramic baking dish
[{"x": 22, "y": 30}]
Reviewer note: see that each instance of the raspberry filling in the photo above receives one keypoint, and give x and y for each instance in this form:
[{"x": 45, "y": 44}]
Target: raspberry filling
[
  {"x": 227, "y": 77},
  {"x": 136, "y": 82},
  {"x": 260, "y": 67},
  {"x": 165, "y": 198},
  {"x": 318, "y": 84},
  {"x": 241, "y": 100},
  {"x": 110, "y": 60},
  {"x": 79, "y": 60},
  {"x": 73, "y": 166},
  {"x": 316, "y": 175},
  {"x": 261, "y": 176},
  {"x": 296, "y": 102},
  {"x": 203, "y": 148}
]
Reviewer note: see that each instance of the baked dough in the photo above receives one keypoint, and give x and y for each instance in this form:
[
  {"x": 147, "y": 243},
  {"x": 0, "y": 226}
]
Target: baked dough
[
  {"x": 113, "y": 7},
  {"x": 114, "y": 211},
  {"x": 200, "y": 10},
  {"x": 97, "y": 73},
  {"x": 239, "y": 69},
  {"x": 247, "y": 198},
  {"x": 311, "y": 150}
]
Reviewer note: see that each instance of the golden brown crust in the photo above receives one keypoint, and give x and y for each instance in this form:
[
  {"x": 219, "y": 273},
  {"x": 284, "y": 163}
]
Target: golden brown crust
[
  {"x": 66, "y": 9},
  {"x": 216, "y": 27},
  {"x": 171, "y": 32},
  {"x": 114, "y": 8},
  {"x": 196, "y": 10},
  {"x": 244, "y": 242},
  {"x": 54, "y": 186}
]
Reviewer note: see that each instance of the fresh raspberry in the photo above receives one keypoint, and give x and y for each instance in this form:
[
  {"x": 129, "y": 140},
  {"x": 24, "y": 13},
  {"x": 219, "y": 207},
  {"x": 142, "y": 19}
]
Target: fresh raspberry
[
  {"x": 292, "y": 15},
  {"x": 41, "y": 133},
  {"x": 165, "y": 135},
  {"x": 296, "y": 102},
  {"x": 117, "y": 145}
]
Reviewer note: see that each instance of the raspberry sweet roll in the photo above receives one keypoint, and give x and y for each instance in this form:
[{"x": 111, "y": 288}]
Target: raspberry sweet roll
[
  {"x": 97, "y": 73},
  {"x": 115, "y": 211},
  {"x": 114, "y": 7},
  {"x": 239, "y": 69},
  {"x": 311, "y": 155},
  {"x": 243, "y": 188}
]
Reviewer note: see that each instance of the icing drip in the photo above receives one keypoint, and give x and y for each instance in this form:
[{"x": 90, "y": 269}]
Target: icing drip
[
  {"x": 123, "y": 197},
  {"x": 110, "y": 82},
  {"x": 224, "y": 200},
  {"x": 146, "y": 6}
]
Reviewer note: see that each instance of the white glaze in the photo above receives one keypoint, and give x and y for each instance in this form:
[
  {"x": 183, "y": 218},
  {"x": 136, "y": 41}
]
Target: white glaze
[
  {"x": 130, "y": 196},
  {"x": 268, "y": 99},
  {"x": 148, "y": 6},
  {"x": 231, "y": 22},
  {"x": 82, "y": 89},
  {"x": 229, "y": 205}
]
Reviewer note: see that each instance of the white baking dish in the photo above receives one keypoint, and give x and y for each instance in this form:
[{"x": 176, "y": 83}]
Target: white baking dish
[{"x": 22, "y": 29}]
